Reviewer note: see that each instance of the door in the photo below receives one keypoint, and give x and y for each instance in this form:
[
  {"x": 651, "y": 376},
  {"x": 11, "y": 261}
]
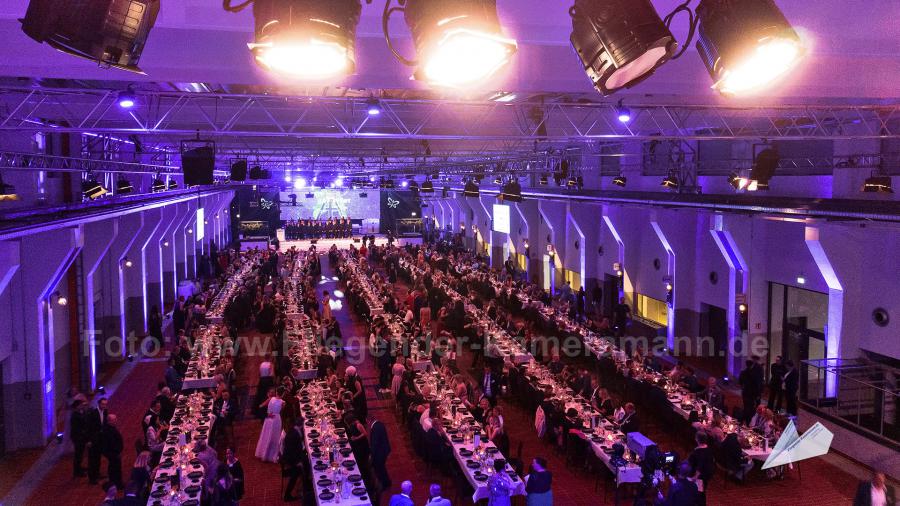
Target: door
[
  {"x": 714, "y": 324},
  {"x": 801, "y": 343},
  {"x": 610, "y": 294}
]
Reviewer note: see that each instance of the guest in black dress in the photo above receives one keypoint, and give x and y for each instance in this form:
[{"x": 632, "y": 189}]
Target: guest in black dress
[
  {"x": 237, "y": 473},
  {"x": 538, "y": 484}
]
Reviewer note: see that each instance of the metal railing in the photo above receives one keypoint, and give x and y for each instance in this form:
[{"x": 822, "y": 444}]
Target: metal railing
[{"x": 863, "y": 394}]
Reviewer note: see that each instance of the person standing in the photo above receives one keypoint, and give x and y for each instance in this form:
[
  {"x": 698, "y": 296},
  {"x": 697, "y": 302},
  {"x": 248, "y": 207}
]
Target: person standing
[
  {"x": 95, "y": 421},
  {"x": 703, "y": 465},
  {"x": 500, "y": 486},
  {"x": 597, "y": 298},
  {"x": 875, "y": 492},
  {"x": 237, "y": 473},
  {"x": 749, "y": 391},
  {"x": 538, "y": 484},
  {"x": 292, "y": 457},
  {"x": 580, "y": 297},
  {"x": 404, "y": 498},
  {"x": 113, "y": 445},
  {"x": 270, "y": 436},
  {"x": 791, "y": 385},
  {"x": 155, "y": 323},
  {"x": 381, "y": 450},
  {"x": 78, "y": 433},
  {"x": 776, "y": 385},
  {"x": 434, "y": 496}
]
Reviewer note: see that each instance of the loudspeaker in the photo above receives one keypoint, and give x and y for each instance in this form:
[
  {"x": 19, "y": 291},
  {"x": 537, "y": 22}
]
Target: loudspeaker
[
  {"x": 239, "y": 170},
  {"x": 257, "y": 172},
  {"x": 198, "y": 164}
]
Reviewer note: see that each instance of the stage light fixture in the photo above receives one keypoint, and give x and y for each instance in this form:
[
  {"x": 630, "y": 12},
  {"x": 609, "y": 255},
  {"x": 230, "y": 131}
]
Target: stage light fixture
[
  {"x": 620, "y": 180},
  {"x": 459, "y": 43},
  {"x": 670, "y": 181},
  {"x": 123, "y": 187},
  {"x": 299, "y": 183},
  {"x": 745, "y": 44},
  {"x": 373, "y": 107},
  {"x": 111, "y": 32},
  {"x": 7, "y": 191},
  {"x": 512, "y": 192},
  {"x": 471, "y": 189},
  {"x": 404, "y": 184},
  {"x": 623, "y": 113},
  {"x": 413, "y": 186},
  {"x": 127, "y": 99},
  {"x": 877, "y": 183},
  {"x": 497, "y": 180},
  {"x": 92, "y": 189},
  {"x": 620, "y": 42},
  {"x": 304, "y": 39},
  {"x": 543, "y": 181},
  {"x": 158, "y": 185},
  {"x": 173, "y": 185},
  {"x": 427, "y": 186},
  {"x": 387, "y": 184}
]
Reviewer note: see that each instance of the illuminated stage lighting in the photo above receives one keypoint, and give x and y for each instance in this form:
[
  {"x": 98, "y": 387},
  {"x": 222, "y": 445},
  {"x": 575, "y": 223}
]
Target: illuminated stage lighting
[
  {"x": 158, "y": 185},
  {"x": 127, "y": 99},
  {"x": 543, "y": 181},
  {"x": 459, "y": 43},
  {"x": 413, "y": 186},
  {"x": 173, "y": 185},
  {"x": 305, "y": 39},
  {"x": 427, "y": 187},
  {"x": 623, "y": 113},
  {"x": 123, "y": 187},
  {"x": 111, "y": 32},
  {"x": 7, "y": 191},
  {"x": 745, "y": 44},
  {"x": 373, "y": 107},
  {"x": 471, "y": 189},
  {"x": 512, "y": 192},
  {"x": 620, "y": 180},
  {"x": 878, "y": 184},
  {"x": 670, "y": 181},
  {"x": 620, "y": 42},
  {"x": 92, "y": 189}
]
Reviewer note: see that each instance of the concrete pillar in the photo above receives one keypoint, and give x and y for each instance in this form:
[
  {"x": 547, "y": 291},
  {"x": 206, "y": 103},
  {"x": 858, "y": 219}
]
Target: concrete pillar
[
  {"x": 98, "y": 237},
  {"x": 172, "y": 253},
  {"x": 583, "y": 217},
  {"x": 134, "y": 278},
  {"x": 553, "y": 229},
  {"x": 125, "y": 248},
  {"x": 29, "y": 386},
  {"x": 151, "y": 259}
]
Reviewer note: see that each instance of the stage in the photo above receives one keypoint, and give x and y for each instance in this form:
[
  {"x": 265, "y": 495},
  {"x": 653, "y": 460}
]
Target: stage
[{"x": 324, "y": 245}]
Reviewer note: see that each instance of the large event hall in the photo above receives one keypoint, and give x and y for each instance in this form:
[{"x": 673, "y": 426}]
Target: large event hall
[{"x": 450, "y": 252}]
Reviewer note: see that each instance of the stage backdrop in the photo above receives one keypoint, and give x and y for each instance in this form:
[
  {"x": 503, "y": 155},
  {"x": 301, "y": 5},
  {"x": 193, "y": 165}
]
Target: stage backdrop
[
  {"x": 322, "y": 204},
  {"x": 398, "y": 208}
]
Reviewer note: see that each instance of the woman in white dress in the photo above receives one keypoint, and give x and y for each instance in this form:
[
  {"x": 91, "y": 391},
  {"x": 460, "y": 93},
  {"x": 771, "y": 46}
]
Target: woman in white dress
[{"x": 270, "y": 436}]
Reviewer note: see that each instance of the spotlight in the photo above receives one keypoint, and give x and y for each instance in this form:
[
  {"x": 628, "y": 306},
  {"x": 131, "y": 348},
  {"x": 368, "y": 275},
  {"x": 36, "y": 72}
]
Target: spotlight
[
  {"x": 742, "y": 308},
  {"x": 543, "y": 181},
  {"x": 413, "y": 186},
  {"x": 306, "y": 39},
  {"x": 158, "y": 185},
  {"x": 670, "y": 181},
  {"x": 101, "y": 389},
  {"x": 127, "y": 99},
  {"x": 166, "y": 244},
  {"x": 512, "y": 192},
  {"x": 620, "y": 42},
  {"x": 123, "y": 187},
  {"x": 59, "y": 437},
  {"x": 497, "y": 180},
  {"x": 299, "y": 183},
  {"x": 404, "y": 184},
  {"x": 173, "y": 184},
  {"x": 126, "y": 262},
  {"x": 572, "y": 182},
  {"x": 738, "y": 182},
  {"x": 878, "y": 184},
  {"x": 92, "y": 189},
  {"x": 620, "y": 180},
  {"x": 471, "y": 189},
  {"x": 458, "y": 42},
  {"x": 287, "y": 178},
  {"x": 745, "y": 44},
  {"x": 7, "y": 191},
  {"x": 427, "y": 186},
  {"x": 112, "y": 33},
  {"x": 59, "y": 298},
  {"x": 801, "y": 280},
  {"x": 373, "y": 107},
  {"x": 190, "y": 230},
  {"x": 130, "y": 357},
  {"x": 764, "y": 168},
  {"x": 623, "y": 113}
]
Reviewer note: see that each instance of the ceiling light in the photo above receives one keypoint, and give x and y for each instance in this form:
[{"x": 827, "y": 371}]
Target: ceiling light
[
  {"x": 459, "y": 43},
  {"x": 623, "y": 113},
  {"x": 404, "y": 184},
  {"x": 299, "y": 183},
  {"x": 620, "y": 180},
  {"x": 305, "y": 39},
  {"x": 737, "y": 181},
  {"x": 127, "y": 99},
  {"x": 471, "y": 189},
  {"x": 112, "y": 33},
  {"x": 92, "y": 189},
  {"x": 7, "y": 191},
  {"x": 123, "y": 187},
  {"x": 670, "y": 181},
  {"x": 878, "y": 184},
  {"x": 512, "y": 192},
  {"x": 373, "y": 107},
  {"x": 620, "y": 42},
  {"x": 745, "y": 44}
]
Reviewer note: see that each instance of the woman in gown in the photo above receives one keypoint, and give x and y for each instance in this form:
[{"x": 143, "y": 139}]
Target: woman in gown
[
  {"x": 500, "y": 485},
  {"x": 270, "y": 437}
]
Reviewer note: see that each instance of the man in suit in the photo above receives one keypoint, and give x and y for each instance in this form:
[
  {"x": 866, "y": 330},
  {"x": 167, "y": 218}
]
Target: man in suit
[
  {"x": 434, "y": 496},
  {"x": 791, "y": 385},
  {"x": 776, "y": 385},
  {"x": 112, "y": 450},
  {"x": 750, "y": 390},
  {"x": 875, "y": 492},
  {"x": 490, "y": 384},
  {"x": 292, "y": 457},
  {"x": 629, "y": 422},
  {"x": 713, "y": 395},
  {"x": 95, "y": 420},
  {"x": 404, "y": 498},
  {"x": 78, "y": 434},
  {"x": 224, "y": 410},
  {"x": 381, "y": 449}
]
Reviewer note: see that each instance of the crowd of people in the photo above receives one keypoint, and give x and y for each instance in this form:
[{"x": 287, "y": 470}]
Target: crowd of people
[{"x": 318, "y": 229}]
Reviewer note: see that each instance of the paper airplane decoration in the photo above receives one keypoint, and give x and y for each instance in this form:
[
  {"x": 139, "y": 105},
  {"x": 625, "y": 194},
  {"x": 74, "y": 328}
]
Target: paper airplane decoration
[{"x": 791, "y": 447}]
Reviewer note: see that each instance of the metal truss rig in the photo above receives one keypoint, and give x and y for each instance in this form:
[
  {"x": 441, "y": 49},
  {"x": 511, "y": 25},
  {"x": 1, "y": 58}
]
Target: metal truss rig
[
  {"x": 31, "y": 161},
  {"x": 267, "y": 116}
]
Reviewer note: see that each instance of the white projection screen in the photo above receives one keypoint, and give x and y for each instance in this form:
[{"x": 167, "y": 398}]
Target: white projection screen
[{"x": 501, "y": 218}]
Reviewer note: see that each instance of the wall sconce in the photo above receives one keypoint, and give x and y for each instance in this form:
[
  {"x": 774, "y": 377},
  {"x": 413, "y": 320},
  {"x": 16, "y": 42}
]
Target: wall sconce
[
  {"x": 190, "y": 231},
  {"x": 126, "y": 262},
  {"x": 59, "y": 299}
]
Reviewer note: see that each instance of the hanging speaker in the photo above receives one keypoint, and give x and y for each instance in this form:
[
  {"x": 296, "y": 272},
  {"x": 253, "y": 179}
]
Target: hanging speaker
[
  {"x": 239, "y": 170},
  {"x": 198, "y": 164}
]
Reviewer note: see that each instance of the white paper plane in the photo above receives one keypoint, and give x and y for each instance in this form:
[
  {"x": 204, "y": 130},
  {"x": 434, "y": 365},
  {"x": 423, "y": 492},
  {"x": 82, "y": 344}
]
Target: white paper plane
[{"x": 792, "y": 447}]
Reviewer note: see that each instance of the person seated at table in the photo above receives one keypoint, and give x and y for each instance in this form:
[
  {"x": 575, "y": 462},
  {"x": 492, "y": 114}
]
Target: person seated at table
[
  {"x": 556, "y": 366},
  {"x": 758, "y": 421},
  {"x": 689, "y": 380},
  {"x": 677, "y": 373},
  {"x": 683, "y": 491},
  {"x": 479, "y": 411},
  {"x": 602, "y": 402},
  {"x": 629, "y": 420},
  {"x": 715, "y": 429},
  {"x": 426, "y": 420},
  {"x": 712, "y": 394},
  {"x": 733, "y": 458}
]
